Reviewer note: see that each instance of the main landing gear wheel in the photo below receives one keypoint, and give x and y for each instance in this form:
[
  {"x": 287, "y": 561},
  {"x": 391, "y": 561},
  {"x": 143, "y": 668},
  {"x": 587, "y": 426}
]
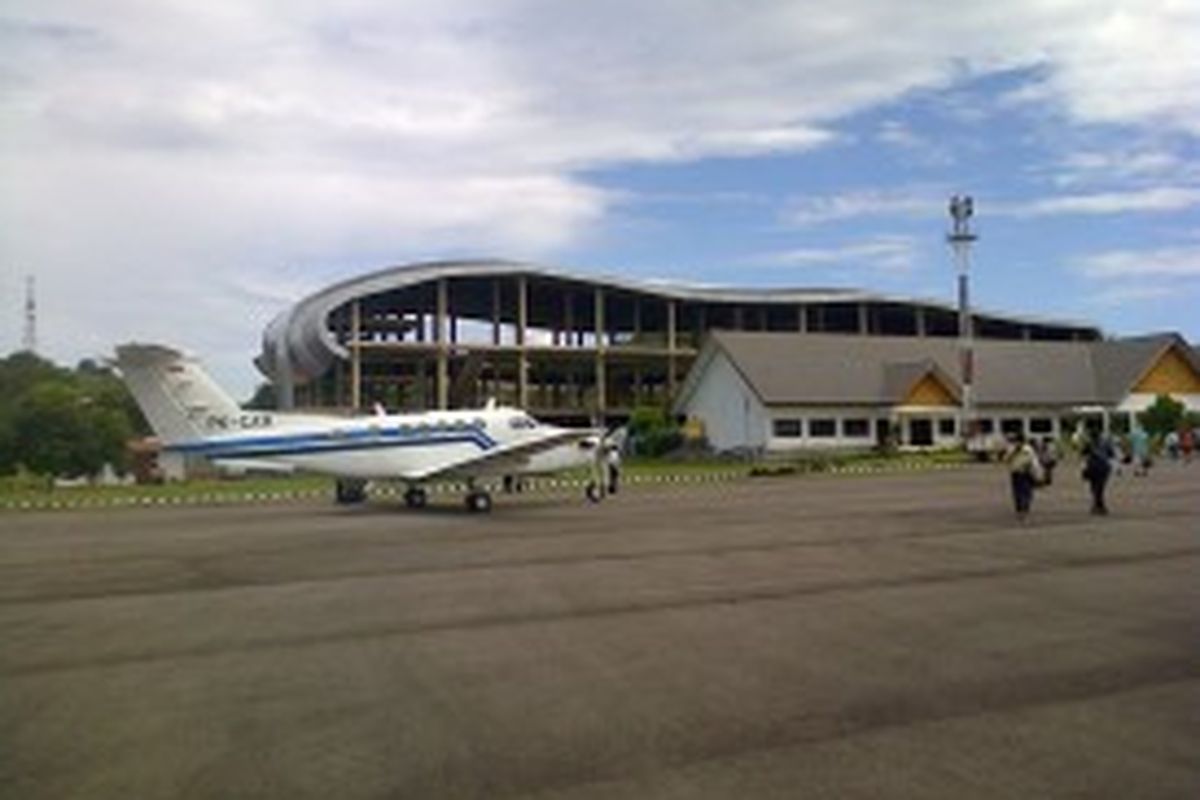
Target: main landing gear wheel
[
  {"x": 479, "y": 502},
  {"x": 593, "y": 492},
  {"x": 415, "y": 497},
  {"x": 349, "y": 492}
]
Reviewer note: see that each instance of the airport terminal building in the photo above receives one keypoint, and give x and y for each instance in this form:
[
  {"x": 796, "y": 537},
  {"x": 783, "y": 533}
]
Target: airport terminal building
[
  {"x": 780, "y": 392},
  {"x": 568, "y": 346}
]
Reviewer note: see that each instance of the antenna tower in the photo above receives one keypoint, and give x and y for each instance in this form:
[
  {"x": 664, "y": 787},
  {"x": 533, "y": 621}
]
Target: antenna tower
[{"x": 29, "y": 340}]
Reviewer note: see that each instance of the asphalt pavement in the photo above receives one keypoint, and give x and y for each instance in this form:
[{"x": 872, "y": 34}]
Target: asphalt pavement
[{"x": 822, "y": 636}]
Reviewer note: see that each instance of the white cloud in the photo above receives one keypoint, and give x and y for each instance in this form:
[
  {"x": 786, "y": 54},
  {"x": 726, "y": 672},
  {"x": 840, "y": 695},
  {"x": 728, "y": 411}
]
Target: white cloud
[
  {"x": 1122, "y": 165},
  {"x": 1159, "y": 199},
  {"x": 865, "y": 202},
  {"x": 1166, "y": 262},
  {"x": 168, "y": 149},
  {"x": 1122, "y": 296},
  {"x": 899, "y": 134},
  {"x": 884, "y": 253}
]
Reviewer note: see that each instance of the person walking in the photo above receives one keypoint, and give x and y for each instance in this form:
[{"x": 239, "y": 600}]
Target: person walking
[
  {"x": 613, "y": 461},
  {"x": 1171, "y": 445},
  {"x": 1139, "y": 445},
  {"x": 1023, "y": 473},
  {"x": 1097, "y": 467},
  {"x": 1048, "y": 455}
]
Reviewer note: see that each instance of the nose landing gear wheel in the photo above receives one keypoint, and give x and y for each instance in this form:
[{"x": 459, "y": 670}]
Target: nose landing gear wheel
[
  {"x": 415, "y": 497},
  {"x": 349, "y": 492},
  {"x": 479, "y": 502}
]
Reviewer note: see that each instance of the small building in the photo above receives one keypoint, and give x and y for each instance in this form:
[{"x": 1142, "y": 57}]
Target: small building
[{"x": 777, "y": 391}]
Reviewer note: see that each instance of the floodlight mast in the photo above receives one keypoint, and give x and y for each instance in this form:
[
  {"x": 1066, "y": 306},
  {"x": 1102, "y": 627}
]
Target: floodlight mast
[{"x": 962, "y": 207}]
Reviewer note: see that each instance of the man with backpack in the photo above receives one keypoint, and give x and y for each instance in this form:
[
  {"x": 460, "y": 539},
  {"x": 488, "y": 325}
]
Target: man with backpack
[
  {"x": 1097, "y": 467},
  {"x": 1024, "y": 472}
]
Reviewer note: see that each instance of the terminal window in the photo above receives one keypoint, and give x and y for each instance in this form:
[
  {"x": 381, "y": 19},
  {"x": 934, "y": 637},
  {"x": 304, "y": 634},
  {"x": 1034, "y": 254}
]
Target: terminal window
[
  {"x": 822, "y": 428},
  {"x": 1012, "y": 426},
  {"x": 856, "y": 428},
  {"x": 789, "y": 428}
]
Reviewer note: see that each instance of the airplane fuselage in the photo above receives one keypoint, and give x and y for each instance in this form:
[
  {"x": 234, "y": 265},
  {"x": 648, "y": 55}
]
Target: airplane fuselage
[{"x": 392, "y": 446}]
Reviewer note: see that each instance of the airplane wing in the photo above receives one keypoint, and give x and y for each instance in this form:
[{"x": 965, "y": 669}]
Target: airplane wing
[{"x": 500, "y": 460}]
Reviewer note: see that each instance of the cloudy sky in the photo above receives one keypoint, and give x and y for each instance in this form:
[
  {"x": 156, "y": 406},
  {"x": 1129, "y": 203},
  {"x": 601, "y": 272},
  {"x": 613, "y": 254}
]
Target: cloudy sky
[{"x": 181, "y": 171}]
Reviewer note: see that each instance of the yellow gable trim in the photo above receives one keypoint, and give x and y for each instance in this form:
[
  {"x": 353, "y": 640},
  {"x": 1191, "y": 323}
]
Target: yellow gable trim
[
  {"x": 1170, "y": 374},
  {"x": 929, "y": 391}
]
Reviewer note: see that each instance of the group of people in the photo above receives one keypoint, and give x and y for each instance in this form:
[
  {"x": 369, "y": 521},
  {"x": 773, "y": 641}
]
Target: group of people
[
  {"x": 1182, "y": 443},
  {"x": 1137, "y": 450},
  {"x": 1031, "y": 465}
]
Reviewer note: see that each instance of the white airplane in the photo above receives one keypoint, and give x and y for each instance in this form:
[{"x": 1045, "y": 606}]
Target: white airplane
[{"x": 192, "y": 415}]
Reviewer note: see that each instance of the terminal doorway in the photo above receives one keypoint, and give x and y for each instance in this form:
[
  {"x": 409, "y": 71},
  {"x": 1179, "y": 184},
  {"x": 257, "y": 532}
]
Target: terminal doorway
[{"x": 920, "y": 432}]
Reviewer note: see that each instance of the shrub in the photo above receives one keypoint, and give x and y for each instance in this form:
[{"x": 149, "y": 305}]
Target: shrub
[{"x": 653, "y": 432}]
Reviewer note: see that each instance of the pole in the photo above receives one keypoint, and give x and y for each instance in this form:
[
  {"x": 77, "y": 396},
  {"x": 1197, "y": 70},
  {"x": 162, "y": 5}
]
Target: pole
[{"x": 960, "y": 239}]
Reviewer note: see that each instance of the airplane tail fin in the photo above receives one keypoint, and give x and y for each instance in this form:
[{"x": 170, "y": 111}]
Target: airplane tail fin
[{"x": 180, "y": 401}]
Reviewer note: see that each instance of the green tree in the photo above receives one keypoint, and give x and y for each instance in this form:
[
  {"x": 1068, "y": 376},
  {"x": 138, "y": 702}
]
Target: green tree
[
  {"x": 264, "y": 398},
  {"x": 8, "y": 447},
  {"x": 58, "y": 430},
  {"x": 653, "y": 431},
  {"x": 56, "y": 421},
  {"x": 48, "y": 424},
  {"x": 1163, "y": 416}
]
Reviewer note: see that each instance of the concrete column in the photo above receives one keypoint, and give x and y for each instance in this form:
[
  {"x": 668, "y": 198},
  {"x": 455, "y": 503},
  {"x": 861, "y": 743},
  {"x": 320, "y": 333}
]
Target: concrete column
[
  {"x": 423, "y": 382},
  {"x": 340, "y": 374},
  {"x": 355, "y": 357},
  {"x": 739, "y": 319},
  {"x": 442, "y": 379},
  {"x": 496, "y": 311},
  {"x": 1026, "y": 333},
  {"x": 637, "y": 318},
  {"x": 601, "y": 371},
  {"x": 671, "y": 348},
  {"x": 569, "y": 319},
  {"x": 801, "y": 318},
  {"x": 522, "y": 355},
  {"x": 285, "y": 389},
  {"x": 864, "y": 326},
  {"x": 920, "y": 316}
]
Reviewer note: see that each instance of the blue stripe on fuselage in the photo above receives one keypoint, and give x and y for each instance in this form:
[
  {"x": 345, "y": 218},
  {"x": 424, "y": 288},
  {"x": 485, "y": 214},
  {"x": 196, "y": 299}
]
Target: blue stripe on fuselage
[{"x": 335, "y": 442}]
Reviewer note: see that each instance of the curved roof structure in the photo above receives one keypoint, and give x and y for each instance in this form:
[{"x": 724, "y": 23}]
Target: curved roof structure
[{"x": 300, "y": 343}]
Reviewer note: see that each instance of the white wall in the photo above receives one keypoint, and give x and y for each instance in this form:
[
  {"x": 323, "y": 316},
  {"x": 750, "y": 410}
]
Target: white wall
[{"x": 732, "y": 414}]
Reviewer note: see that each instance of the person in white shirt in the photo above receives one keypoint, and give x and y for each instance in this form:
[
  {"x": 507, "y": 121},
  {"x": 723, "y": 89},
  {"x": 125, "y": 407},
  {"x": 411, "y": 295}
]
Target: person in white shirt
[
  {"x": 1025, "y": 472},
  {"x": 612, "y": 460}
]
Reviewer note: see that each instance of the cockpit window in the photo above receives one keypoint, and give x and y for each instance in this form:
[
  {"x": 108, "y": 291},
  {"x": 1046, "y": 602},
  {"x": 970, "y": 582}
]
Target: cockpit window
[{"x": 522, "y": 423}]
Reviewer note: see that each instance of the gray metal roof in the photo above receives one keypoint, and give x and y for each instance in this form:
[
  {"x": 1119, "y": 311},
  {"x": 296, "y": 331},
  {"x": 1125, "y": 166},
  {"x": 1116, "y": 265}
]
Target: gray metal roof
[
  {"x": 827, "y": 369},
  {"x": 299, "y": 343}
]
